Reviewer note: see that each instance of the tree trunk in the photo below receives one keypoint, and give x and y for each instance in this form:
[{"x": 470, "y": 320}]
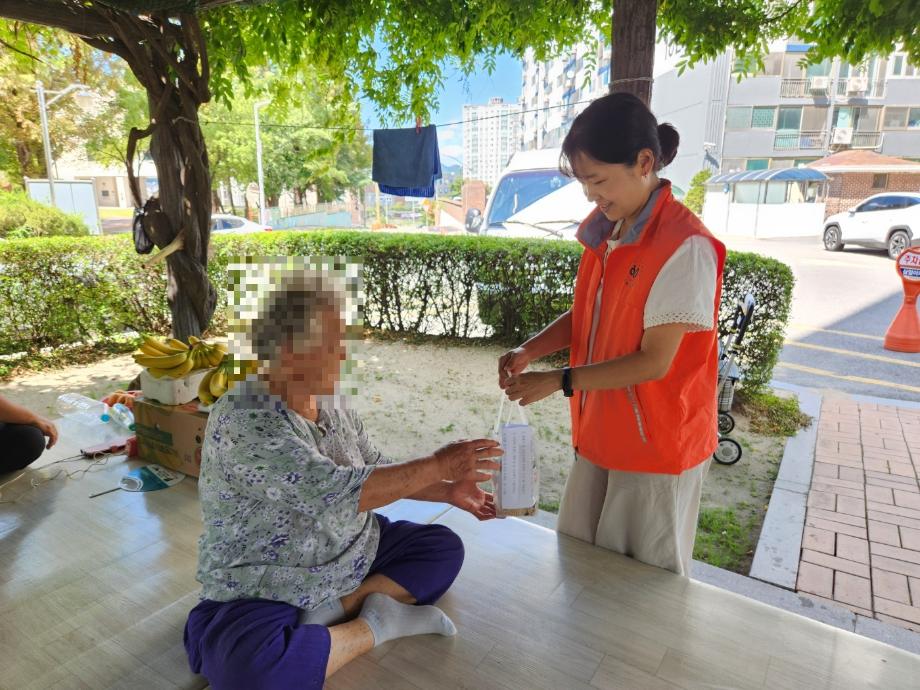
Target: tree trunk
[
  {"x": 632, "y": 53},
  {"x": 170, "y": 61}
]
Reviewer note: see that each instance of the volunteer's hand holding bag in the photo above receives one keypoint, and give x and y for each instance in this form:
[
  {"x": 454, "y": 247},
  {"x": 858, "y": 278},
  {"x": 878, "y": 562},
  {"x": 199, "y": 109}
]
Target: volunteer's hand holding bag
[{"x": 517, "y": 484}]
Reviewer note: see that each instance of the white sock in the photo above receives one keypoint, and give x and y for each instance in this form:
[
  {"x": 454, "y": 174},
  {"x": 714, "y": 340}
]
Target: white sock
[
  {"x": 327, "y": 613},
  {"x": 388, "y": 619}
]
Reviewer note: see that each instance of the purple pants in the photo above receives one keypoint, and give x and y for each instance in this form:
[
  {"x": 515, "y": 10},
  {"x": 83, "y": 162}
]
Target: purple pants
[{"x": 254, "y": 644}]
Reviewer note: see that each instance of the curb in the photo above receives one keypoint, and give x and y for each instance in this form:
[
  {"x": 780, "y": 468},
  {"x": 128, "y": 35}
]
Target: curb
[{"x": 776, "y": 559}]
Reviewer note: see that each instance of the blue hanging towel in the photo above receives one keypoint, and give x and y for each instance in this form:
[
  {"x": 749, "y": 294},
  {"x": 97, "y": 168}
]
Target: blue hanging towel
[{"x": 407, "y": 162}]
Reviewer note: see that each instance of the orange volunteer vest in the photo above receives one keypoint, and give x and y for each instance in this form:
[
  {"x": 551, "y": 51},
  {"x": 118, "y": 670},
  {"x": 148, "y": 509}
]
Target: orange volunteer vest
[{"x": 665, "y": 426}]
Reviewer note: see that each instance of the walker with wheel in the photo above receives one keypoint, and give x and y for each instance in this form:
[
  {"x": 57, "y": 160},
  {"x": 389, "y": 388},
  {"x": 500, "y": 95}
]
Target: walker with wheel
[{"x": 729, "y": 451}]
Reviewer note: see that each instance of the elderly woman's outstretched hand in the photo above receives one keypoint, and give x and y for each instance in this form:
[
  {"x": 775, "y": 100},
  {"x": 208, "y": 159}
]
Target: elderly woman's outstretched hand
[{"x": 468, "y": 460}]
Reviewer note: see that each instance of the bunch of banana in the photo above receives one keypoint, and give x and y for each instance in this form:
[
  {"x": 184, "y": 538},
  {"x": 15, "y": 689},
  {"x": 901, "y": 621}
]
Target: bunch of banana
[
  {"x": 161, "y": 358},
  {"x": 205, "y": 354},
  {"x": 174, "y": 359},
  {"x": 214, "y": 384}
]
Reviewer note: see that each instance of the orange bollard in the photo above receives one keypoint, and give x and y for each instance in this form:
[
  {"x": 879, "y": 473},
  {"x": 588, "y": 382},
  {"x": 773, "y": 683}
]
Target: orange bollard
[{"x": 904, "y": 332}]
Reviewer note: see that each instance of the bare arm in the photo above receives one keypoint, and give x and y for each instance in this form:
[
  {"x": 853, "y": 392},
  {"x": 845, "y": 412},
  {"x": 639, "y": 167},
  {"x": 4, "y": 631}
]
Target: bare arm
[
  {"x": 557, "y": 336},
  {"x": 461, "y": 461},
  {"x": 651, "y": 362},
  {"x": 11, "y": 413}
]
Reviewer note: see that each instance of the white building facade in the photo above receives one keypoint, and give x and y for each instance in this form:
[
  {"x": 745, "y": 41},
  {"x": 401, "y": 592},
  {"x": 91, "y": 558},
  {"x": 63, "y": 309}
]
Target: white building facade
[
  {"x": 554, "y": 92},
  {"x": 491, "y": 135}
]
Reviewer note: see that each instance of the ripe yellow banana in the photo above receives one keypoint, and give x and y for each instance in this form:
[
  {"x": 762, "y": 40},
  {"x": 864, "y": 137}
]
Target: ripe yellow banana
[
  {"x": 181, "y": 370},
  {"x": 218, "y": 383},
  {"x": 157, "y": 373},
  {"x": 177, "y": 344},
  {"x": 162, "y": 362},
  {"x": 204, "y": 390},
  {"x": 193, "y": 340},
  {"x": 216, "y": 356},
  {"x": 152, "y": 346}
]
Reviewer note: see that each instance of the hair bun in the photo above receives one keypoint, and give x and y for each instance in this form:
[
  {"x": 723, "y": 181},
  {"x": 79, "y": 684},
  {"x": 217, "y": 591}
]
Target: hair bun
[{"x": 669, "y": 140}]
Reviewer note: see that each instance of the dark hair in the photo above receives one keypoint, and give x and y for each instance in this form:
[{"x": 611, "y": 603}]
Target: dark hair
[{"x": 613, "y": 129}]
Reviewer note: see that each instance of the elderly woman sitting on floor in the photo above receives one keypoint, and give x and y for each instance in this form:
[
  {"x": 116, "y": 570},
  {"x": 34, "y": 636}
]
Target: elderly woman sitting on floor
[{"x": 299, "y": 575}]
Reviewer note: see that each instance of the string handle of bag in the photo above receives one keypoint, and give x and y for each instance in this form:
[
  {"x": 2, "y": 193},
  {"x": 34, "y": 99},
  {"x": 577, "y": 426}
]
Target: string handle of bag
[{"x": 498, "y": 418}]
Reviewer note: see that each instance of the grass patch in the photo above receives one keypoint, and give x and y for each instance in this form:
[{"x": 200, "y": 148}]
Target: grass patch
[
  {"x": 772, "y": 415},
  {"x": 724, "y": 539},
  {"x": 549, "y": 506}
]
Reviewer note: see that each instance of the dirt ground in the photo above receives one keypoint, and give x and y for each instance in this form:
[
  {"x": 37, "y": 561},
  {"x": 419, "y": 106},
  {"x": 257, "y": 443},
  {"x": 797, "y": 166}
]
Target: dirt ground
[{"x": 415, "y": 398}]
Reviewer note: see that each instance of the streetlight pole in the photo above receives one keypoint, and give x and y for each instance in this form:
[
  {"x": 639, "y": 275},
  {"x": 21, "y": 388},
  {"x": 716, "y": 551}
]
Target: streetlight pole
[
  {"x": 43, "y": 116},
  {"x": 46, "y": 140},
  {"x": 255, "y": 109}
]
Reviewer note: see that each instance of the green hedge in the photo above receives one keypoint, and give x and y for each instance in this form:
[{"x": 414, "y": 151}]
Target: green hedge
[
  {"x": 60, "y": 290},
  {"x": 22, "y": 216}
]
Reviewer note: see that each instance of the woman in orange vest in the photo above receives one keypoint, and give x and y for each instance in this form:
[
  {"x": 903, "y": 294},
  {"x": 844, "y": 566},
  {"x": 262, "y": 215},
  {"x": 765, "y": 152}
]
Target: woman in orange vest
[{"x": 643, "y": 353}]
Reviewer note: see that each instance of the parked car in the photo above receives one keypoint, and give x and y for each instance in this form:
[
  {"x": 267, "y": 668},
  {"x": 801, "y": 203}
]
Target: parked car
[
  {"x": 532, "y": 199},
  {"x": 889, "y": 221},
  {"x": 226, "y": 224}
]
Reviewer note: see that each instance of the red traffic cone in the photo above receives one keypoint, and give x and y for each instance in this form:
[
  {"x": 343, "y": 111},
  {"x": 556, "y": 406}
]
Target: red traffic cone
[{"x": 904, "y": 332}]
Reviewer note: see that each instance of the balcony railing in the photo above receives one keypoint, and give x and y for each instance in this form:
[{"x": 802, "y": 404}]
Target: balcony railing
[
  {"x": 801, "y": 88},
  {"x": 874, "y": 89},
  {"x": 815, "y": 87},
  {"x": 804, "y": 140},
  {"x": 866, "y": 140}
]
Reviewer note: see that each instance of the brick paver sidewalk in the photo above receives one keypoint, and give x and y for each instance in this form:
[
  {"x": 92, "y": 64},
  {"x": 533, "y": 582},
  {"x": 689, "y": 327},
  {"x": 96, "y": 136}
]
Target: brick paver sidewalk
[{"x": 861, "y": 546}]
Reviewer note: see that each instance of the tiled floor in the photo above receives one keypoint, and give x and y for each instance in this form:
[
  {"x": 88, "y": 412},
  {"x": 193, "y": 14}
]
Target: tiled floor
[
  {"x": 861, "y": 546},
  {"x": 94, "y": 594}
]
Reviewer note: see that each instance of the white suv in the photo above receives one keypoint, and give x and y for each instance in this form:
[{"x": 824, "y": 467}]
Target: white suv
[{"x": 885, "y": 221}]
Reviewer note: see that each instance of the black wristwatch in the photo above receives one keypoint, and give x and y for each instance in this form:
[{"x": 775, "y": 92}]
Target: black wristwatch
[{"x": 567, "y": 382}]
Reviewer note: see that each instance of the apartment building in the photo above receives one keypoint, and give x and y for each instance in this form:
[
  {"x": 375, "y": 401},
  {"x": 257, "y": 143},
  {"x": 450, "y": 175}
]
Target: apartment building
[{"x": 490, "y": 137}]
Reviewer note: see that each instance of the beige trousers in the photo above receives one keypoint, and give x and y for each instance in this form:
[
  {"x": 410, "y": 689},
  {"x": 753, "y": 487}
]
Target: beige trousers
[{"x": 649, "y": 517}]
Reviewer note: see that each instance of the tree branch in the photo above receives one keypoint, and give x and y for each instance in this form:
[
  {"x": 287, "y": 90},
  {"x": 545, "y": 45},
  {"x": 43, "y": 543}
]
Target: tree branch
[
  {"x": 21, "y": 52},
  {"x": 75, "y": 17}
]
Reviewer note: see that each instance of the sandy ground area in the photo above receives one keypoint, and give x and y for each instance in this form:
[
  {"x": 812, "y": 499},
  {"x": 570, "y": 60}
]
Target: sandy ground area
[{"x": 415, "y": 398}]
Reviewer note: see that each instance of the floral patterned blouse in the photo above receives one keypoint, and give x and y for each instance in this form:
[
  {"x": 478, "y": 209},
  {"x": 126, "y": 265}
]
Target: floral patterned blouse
[{"x": 279, "y": 499}]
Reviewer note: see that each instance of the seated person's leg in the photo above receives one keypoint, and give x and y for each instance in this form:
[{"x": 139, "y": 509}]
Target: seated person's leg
[
  {"x": 422, "y": 560},
  {"x": 253, "y": 644},
  {"x": 22, "y": 445}
]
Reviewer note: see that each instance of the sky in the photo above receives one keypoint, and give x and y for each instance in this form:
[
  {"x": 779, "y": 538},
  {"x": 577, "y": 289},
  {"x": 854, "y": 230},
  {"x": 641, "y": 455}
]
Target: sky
[{"x": 505, "y": 82}]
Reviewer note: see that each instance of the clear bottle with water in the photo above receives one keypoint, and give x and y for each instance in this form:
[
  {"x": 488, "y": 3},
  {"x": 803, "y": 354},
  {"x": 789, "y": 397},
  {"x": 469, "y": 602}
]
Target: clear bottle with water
[
  {"x": 82, "y": 410},
  {"x": 122, "y": 415}
]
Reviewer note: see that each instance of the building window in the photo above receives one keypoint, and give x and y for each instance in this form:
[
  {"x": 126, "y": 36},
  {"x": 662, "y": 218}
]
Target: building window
[
  {"x": 895, "y": 118},
  {"x": 900, "y": 67},
  {"x": 913, "y": 118},
  {"x": 731, "y": 165},
  {"x": 763, "y": 118},
  {"x": 789, "y": 119},
  {"x": 773, "y": 65},
  {"x": 757, "y": 164},
  {"x": 880, "y": 181},
  {"x": 738, "y": 118}
]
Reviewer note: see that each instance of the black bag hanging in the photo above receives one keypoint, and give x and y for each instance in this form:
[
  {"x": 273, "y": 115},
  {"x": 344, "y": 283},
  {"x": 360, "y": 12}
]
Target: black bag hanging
[{"x": 142, "y": 243}]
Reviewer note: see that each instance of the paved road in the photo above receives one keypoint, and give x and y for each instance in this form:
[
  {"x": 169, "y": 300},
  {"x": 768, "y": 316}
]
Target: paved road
[
  {"x": 842, "y": 305},
  {"x": 114, "y": 226}
]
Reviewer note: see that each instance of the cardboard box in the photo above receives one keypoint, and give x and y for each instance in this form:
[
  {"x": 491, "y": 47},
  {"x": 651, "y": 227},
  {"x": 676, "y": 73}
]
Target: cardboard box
[{"x": 170, "y": 435}]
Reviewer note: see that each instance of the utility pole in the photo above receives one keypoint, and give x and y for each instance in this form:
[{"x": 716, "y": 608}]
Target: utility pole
[
  {"x": 43, "y": 107},
  {"x": 255, "y": 109}
]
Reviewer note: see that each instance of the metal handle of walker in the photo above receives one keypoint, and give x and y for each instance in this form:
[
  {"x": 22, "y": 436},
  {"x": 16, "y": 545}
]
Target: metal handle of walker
[{"x": 744, "y": 314}]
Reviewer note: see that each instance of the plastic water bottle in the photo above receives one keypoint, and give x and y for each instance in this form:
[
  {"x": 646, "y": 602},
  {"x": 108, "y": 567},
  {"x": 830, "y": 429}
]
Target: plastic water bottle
[
  {"x": 122, "y": 415},
  {"x": 83, "y": 410}
]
